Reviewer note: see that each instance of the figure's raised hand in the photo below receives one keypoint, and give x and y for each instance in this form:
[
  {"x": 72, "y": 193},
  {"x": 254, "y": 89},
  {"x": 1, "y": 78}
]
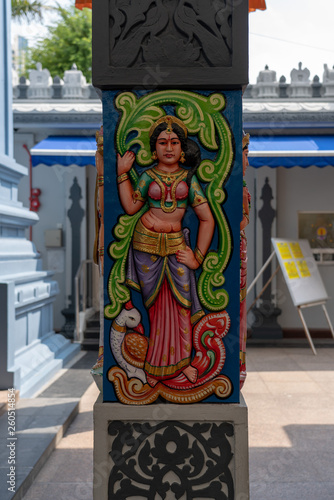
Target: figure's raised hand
[
  {"x": 125, "y": 162},
  {"x": 187, "y": 257}
]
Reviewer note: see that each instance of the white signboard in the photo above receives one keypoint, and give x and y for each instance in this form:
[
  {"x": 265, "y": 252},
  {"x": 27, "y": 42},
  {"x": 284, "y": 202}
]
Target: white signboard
[{"x": 300, "y": 271}]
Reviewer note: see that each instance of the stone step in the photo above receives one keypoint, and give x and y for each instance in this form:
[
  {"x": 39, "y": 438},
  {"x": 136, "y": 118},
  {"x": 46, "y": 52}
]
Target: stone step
[
  {"x": 41, "y": 423},
  {"x": 90, "y": 344},
  {"x": 91, "y": 333}
]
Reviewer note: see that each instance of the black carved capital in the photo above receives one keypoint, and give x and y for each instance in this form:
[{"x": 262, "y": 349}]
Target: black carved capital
[{"x": 170, "y": 43}]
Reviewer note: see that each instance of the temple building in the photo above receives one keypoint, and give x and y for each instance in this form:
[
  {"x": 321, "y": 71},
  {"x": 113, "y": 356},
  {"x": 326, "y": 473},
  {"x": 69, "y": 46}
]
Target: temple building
[{"x": 290, "y": 177}]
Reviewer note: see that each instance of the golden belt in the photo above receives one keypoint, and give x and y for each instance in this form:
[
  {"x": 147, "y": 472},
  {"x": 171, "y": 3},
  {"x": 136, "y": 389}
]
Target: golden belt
[{"x": 154, "y": 243}]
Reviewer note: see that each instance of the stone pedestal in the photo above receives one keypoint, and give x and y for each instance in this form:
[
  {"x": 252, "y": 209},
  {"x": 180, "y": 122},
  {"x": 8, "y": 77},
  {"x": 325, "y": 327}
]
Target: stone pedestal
[{"x": 170, "y": 451}]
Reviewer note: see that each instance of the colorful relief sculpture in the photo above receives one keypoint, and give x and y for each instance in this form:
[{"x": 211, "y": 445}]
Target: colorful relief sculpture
[
  {"x": 98, "y": 252},
  {"x": 181, "y": 354},
  {"x": 246, "y": 199}
]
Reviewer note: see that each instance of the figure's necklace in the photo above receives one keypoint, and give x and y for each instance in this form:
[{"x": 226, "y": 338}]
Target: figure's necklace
[
  {"x": 168, "y": 177},
  {"x": 164, "y": 180}
]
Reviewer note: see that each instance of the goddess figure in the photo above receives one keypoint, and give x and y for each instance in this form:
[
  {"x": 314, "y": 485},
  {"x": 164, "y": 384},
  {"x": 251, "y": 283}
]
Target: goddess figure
[
  {"x": 161, "y": 263},
  {"x": 243, "y": 261}
]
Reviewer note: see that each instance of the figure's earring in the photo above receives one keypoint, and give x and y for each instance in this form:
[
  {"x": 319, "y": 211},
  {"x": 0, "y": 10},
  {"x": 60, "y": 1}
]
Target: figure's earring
[
  {"x": 182, "y": 159},
  {"x": 154, "y": 156}
]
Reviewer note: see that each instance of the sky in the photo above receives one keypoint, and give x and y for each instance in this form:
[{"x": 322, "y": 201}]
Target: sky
[{"x": 288, "y": 32}]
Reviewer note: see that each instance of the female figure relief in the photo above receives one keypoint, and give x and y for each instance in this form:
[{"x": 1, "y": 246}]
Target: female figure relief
[
  {"x": 246, "y": 199},
  {"x": 161, "y": 263}
]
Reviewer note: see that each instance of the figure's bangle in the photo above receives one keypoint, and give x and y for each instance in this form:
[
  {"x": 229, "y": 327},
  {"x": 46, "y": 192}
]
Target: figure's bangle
[
  {"x": 123, "y": 177},
  {"x": 101, "y": 251},
  {"x": 100, "y": 180},
  {"x": 198, "y": 255}
]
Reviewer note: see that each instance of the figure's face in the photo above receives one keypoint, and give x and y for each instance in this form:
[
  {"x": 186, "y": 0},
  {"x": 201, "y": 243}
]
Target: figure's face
[
  {"x": 168, "y": 148},
  {"x": 245, "y": 161}
]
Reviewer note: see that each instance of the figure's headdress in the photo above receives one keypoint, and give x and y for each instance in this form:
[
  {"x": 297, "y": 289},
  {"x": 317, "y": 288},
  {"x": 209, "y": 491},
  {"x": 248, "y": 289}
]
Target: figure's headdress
[
  {"x": 245, "y": 140},
  {"x": 169, "y": 120}
]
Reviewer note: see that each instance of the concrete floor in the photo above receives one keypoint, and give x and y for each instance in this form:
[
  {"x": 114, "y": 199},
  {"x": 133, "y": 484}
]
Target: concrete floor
[{"x": 290, "y": 397}]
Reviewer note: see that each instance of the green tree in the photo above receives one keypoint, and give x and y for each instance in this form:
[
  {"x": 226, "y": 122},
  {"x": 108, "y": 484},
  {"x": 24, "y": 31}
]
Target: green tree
[
  {"x": 26, "y": 10},
  {"x": 68, "y": 42}
]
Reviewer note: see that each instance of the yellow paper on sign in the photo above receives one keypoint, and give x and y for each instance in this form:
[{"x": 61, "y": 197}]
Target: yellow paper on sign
[
  {"x": 296, "y": 250},
  {"x": 291, "y": 269},
  {"x": 303, "y": 268},
  {"x": 284, "y": 250}
]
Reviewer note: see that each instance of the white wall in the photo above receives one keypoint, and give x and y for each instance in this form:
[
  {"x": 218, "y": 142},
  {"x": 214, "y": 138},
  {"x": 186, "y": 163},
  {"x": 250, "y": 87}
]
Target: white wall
[
  {"x": 309, "y": 189},
  {"x": 54, "y": 183}
]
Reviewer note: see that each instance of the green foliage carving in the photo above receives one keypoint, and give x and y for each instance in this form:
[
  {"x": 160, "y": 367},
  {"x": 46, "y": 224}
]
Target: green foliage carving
[{"x": 202, "y": 117}]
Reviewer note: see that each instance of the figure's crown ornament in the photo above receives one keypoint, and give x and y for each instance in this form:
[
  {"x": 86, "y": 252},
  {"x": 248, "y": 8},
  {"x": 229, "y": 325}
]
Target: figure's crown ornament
[{"x": 169, "y": 120}]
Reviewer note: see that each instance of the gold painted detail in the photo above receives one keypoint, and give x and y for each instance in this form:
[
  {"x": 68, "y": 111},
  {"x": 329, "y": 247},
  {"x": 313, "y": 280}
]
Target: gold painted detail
[
  {"x": 134, "y": 392},
  {"x": 180, "y": 271},
  {"x": 137, "y": 196},
  {"x": 197, "y": 316},
  {"x": 186, "y": 287},
  {"x": 145, "y": 268},
  {"x": 118, "y": 328},
  {"x": 198, "y": 200},
  {"x": 243, "y": 357},
  {"x": 243, "y": 293},
  {"x": 162, "y": 178},
  {"x": 153, "y": 258},
  {"x": 198, "y": 255},
  {"x": 165, "y": 371},
  {"x": 133, "y": 285},
  {"x": 154, "y": 243},
  {"x": 169, "y": 120},
  {"x": 123, "y": 177}
]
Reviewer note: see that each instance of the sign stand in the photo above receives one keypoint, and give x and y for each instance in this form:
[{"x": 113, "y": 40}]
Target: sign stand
[
  {"x": 307, "y": 333},
  {"x": 302, "y": 278}
]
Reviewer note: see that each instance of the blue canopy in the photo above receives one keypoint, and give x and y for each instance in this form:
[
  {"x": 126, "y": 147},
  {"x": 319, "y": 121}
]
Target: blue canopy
[
  {"x": 64, "y": 150},
  {"x": 291, "y": 151}
]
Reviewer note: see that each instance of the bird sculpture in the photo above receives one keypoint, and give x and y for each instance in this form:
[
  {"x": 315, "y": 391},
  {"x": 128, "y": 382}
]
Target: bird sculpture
[{"x": 128, "y": 343}]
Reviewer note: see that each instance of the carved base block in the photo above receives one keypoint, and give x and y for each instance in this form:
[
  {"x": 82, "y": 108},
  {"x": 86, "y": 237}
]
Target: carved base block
[{"x": 170, "y": 451}]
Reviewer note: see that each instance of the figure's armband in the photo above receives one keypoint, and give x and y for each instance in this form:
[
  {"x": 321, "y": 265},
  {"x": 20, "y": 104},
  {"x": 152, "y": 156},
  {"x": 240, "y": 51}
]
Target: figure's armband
[
  {"x": 141, "y": 190},
  {"x": 196, "y": 194}
]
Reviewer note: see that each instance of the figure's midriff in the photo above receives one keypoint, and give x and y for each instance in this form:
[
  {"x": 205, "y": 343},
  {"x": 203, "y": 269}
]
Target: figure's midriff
[{"x": 159, "y": 221}]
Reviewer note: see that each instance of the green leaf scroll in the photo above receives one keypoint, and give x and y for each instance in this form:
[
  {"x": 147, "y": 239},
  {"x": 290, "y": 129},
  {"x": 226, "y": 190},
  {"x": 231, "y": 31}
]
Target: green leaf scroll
[{"x": 202, "y": 116}]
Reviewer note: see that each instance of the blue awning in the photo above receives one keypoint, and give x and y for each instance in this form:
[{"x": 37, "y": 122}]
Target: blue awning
[
  {"x": 64, "y": 150},
  {"x": 291, "y": 151}
]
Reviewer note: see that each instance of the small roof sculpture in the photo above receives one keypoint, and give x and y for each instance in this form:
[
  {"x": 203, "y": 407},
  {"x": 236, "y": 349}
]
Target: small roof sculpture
[
  {"x": 256, "y": 5},
  {"x": 81, "y": 4}
]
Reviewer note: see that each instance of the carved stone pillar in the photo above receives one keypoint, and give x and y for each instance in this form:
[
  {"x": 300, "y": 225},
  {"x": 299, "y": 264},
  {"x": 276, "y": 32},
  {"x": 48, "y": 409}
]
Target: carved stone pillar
[{"x": 172, "y": 75}]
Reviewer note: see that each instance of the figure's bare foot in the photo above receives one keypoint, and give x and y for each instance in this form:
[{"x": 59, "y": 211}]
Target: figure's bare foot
[
  {"x": 152, "y": 381},
  {"x": 191, "y": 373}
]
